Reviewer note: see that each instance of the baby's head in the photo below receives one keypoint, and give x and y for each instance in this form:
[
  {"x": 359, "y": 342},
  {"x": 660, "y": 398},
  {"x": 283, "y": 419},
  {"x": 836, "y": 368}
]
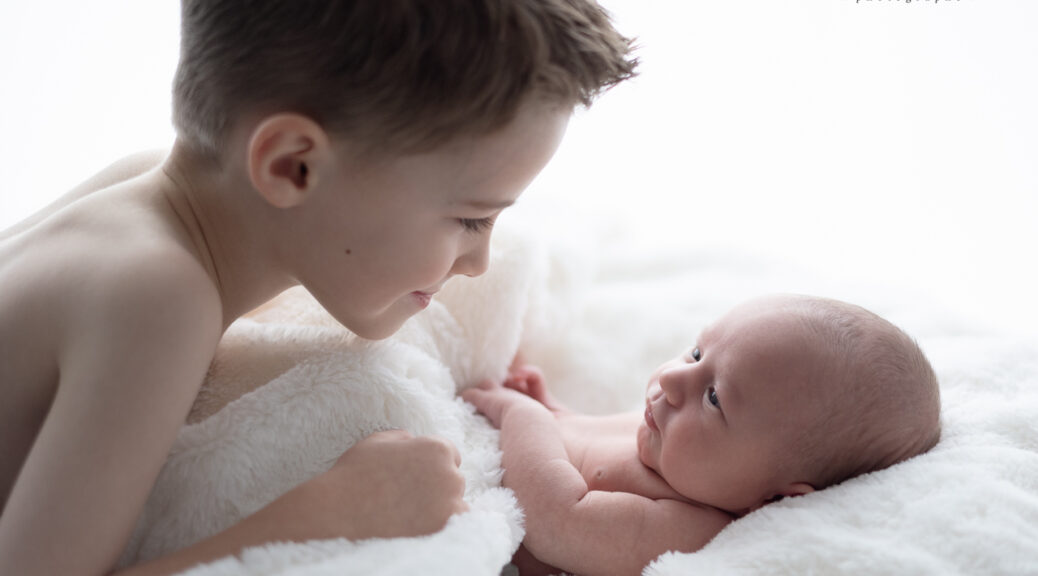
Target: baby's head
[
  {"x": 395, "y": 75},
  {"x": 785, "y": 395}
]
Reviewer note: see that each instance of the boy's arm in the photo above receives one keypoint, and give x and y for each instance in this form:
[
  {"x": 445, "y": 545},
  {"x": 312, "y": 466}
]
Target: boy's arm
[
  {"x": 131, "y": 355},
  {"x": 132, "y": 366},
  {"x": 389, "y": 484},
  {"x": 568, "y": 526}
]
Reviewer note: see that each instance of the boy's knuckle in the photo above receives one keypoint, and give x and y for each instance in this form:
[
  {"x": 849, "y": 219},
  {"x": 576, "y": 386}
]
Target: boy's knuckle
[{"x": 441, "y": 446}]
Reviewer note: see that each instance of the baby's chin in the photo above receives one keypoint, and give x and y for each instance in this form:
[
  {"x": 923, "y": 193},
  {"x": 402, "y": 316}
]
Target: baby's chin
[{"x": 644, "y": 443}]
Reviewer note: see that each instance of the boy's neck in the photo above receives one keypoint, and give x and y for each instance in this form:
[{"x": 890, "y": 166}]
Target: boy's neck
[{"x": 229, "y": 230}]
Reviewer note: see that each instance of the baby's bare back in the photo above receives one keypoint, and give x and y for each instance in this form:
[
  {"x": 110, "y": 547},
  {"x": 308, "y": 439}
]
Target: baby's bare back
[{"x": 107, "y": 324}]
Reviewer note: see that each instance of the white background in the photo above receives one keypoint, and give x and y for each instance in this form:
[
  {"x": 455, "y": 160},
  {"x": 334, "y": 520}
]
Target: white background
[{"x": 891, "y": 141}]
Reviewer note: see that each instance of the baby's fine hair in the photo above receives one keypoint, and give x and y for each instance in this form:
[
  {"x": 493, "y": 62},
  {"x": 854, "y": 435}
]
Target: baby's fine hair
[
  {"x": 395, "y": 75},
  {"x": 885, "y": 406}
]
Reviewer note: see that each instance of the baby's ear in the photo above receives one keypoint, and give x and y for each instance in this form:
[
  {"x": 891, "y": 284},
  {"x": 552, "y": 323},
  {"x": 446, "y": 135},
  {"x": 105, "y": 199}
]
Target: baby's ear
[
  {"x": 285, "y": 154},
  {"x": 794, "y": 489}
]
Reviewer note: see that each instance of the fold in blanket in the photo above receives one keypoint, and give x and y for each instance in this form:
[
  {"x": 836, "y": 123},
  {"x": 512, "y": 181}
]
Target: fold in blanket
[{"x": 969, "y": 506}]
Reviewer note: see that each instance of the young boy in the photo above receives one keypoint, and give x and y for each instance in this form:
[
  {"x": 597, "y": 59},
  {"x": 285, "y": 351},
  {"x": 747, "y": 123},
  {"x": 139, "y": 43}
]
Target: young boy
[
  {"x": 361, "y": 149},
  {"x": 780, "y": 397}
]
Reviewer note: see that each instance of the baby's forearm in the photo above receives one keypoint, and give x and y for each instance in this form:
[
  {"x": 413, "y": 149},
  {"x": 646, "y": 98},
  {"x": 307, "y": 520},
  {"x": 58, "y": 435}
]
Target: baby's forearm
[{"x": 539, "y": 471}]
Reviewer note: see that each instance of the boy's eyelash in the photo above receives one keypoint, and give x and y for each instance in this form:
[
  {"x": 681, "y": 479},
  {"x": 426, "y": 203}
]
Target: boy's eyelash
[{"x": 477, "y": 224}]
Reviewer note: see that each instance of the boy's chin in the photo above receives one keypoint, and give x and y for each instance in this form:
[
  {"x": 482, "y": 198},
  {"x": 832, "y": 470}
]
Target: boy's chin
[
  {"x": 377, "y": 328},
  {"x": 379, "y": 331}
]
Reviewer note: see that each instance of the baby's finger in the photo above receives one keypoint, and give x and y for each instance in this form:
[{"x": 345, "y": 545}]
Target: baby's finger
[
  {"x": 478, "y": 397},
  {"x": 486, "y": 402},
  {"x": 483, "y": 385},
  {"x": 517, "y": 384},
  {"x": 487, "y": 385}
]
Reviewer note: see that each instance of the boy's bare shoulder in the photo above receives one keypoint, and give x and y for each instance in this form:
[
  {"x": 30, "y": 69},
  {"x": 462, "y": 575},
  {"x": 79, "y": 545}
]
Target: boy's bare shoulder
[
  {"x": 109, "y": 263},
  {"x": 120, "y": 171}
]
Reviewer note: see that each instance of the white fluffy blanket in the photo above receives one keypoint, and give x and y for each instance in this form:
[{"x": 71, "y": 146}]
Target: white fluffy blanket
[{"x": 597, "y": 328}]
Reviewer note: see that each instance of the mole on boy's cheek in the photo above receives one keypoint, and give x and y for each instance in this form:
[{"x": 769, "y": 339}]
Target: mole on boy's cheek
[{"x": 348, "y": 251}]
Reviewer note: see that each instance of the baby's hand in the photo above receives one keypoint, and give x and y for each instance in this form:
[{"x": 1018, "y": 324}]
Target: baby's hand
[
  {"x": 494, "y": 401},
  {"x": 529, "y": 380}
]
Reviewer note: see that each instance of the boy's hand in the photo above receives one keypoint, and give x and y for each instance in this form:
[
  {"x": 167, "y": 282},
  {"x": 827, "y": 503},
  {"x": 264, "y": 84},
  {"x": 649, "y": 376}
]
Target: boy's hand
[
  {"x": 390, "y": 484},
  {"x": 397, "y": 484}
]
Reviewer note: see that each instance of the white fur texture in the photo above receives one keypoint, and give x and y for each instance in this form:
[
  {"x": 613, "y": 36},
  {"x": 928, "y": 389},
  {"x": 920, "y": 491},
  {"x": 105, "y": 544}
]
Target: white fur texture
[{"x": 597, "y": 327}]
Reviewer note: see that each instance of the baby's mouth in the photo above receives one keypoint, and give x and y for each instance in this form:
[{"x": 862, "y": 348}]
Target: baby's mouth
[
  {"x": 650, "y": 420},
  {"x": 654, "y": 393}
]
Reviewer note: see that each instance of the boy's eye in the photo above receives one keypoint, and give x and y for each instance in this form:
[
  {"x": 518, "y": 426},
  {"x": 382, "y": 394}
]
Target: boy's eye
[
  {"x": 711, "y": 396},
  {"x": 476, "y": 225},
  {"x": 695, "y": 354}
]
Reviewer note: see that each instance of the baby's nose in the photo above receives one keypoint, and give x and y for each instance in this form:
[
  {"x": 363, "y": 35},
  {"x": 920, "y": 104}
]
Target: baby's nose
[
  {"x": 672, "y": 383},
  {"x": 654, "y": 392}
]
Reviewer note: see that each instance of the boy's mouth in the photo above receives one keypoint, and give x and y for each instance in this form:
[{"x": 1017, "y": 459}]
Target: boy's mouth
[{"x": 423, "y": 298}]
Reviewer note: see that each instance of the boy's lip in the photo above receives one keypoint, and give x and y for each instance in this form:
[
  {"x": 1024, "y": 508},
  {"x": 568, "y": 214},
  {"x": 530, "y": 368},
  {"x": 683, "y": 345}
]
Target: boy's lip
[{"x": 423, "y": 298}]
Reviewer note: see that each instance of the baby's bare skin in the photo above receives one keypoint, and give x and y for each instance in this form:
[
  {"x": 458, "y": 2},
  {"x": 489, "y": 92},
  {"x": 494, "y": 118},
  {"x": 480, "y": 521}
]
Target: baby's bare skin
[
  {"x": 591, "y": 505},
  {"x": 606, "y": 495},
  {"x": 602, "y": 448}
]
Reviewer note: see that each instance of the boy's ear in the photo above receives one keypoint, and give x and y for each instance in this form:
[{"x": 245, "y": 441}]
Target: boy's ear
[{"x": 285, "y": 155}]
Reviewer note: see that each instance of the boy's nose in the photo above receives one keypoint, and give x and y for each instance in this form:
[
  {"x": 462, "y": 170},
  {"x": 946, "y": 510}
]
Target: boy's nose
[{"x": 474, "y": 261}]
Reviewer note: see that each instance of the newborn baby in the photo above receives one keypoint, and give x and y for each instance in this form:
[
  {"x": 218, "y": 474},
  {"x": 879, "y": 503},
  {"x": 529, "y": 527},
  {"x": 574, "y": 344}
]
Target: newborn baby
[{"x": 780, "y": 397}]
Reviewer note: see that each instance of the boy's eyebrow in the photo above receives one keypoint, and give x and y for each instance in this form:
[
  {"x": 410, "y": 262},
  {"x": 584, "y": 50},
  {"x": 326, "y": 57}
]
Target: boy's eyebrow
[{"x": 488, "y": 205}]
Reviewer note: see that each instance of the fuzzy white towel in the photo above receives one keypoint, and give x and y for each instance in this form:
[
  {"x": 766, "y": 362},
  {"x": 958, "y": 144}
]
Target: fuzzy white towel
[
  {"x": 319, "y": 389},
  {"x": 597, "y": 329}
]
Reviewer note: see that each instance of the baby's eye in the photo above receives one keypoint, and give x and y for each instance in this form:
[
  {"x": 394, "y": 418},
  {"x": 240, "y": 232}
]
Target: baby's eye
[
  {"x": 476, "y": 225},
  {"x": 711, "y": 396},
  {"x": 695, "y": 354}
]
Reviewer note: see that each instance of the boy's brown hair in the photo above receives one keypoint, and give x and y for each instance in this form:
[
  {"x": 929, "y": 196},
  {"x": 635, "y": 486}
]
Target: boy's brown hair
[{"x": 395, "y": 75}]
